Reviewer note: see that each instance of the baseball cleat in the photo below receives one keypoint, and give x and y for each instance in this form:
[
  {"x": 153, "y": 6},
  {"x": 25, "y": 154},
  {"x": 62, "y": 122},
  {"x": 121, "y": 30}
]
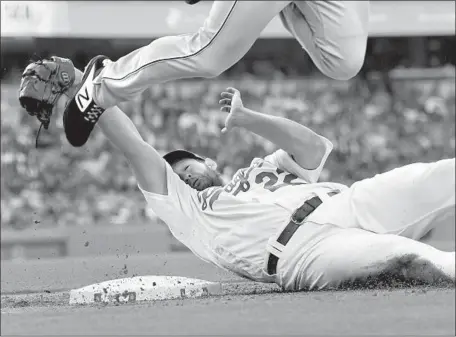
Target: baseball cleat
[{"x": 82, "y": 113}]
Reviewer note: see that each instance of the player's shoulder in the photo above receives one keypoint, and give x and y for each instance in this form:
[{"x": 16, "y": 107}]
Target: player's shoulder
[
  {"x": 269, "y": 161},
  {"x": 273, "y": 158},
  {"x": 258, "y": 161}
]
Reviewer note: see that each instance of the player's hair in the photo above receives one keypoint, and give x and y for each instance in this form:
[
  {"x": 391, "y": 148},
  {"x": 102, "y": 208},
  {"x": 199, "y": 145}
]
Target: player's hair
[{"x": 174, "y": 157}]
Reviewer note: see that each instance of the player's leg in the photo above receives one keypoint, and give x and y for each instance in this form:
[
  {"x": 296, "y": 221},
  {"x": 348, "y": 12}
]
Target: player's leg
[
  {"x": 407, "y": 201},
  {"x": 227, "y": 34},
  {"x": 334, "y": 33},
  {"x": 336, "y": 258}
]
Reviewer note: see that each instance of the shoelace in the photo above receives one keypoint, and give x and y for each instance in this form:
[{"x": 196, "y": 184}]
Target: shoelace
[{"x": 93, "y": 115}]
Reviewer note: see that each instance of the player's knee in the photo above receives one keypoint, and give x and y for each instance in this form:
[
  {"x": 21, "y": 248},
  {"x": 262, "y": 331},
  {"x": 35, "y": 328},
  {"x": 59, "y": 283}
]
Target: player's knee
[
  {"x": 344, "y": 69},
  {"x": 215, "y": 63},
  {"x": 210, "y": 64},
  {"x": 212, "y": 69},
  {"x": 345, "y": 65}
]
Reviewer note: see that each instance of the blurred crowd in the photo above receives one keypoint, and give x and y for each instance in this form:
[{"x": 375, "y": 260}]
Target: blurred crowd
[{"x": 374, "y": 128}]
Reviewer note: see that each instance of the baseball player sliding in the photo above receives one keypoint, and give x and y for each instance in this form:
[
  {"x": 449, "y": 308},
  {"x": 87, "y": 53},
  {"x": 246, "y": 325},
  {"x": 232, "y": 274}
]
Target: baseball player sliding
[
  {"x": 273, "y": 221},
  {"x": 333, "y": 33}
]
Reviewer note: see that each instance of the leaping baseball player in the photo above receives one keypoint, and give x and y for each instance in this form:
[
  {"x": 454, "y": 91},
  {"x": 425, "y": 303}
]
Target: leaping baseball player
[
  {"x": 273, "y": 221},
  {"x": 333, "y": 33}
]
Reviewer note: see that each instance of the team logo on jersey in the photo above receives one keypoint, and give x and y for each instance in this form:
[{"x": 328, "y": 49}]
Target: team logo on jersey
[
  {"x": 208, "y": 197},
  {"x": 268, "y": 179},
  {"x": 240, "y": 181}
]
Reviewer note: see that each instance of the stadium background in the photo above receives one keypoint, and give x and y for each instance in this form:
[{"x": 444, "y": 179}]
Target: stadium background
[{"x": 57, "y": 201}]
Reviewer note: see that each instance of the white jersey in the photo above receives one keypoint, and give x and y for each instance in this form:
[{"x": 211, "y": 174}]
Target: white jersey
[{"x": 230, "y": 226}]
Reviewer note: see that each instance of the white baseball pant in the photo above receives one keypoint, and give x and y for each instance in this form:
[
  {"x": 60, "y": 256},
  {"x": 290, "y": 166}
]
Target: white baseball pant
[
  {"x": 334, "y": 34},
  {"x": 373, "y": 226}
]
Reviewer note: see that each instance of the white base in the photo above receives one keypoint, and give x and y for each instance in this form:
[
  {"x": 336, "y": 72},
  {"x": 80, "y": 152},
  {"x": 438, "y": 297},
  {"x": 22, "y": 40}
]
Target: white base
[{"x": 144, "y": 288}]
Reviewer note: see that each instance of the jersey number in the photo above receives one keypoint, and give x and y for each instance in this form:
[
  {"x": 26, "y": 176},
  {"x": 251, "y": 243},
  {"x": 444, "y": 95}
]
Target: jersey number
[{"x": 271, "y": 180}]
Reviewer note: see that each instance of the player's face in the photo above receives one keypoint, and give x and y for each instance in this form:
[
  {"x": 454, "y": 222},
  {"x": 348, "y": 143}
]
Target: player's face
[{"x": 197, "y": 174}]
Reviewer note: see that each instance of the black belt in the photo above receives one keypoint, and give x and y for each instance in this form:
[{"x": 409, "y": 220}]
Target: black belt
[{"x": 296, "y": 221}]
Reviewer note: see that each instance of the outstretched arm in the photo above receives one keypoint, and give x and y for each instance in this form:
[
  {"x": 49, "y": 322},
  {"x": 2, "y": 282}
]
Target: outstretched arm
[
  {"x": 305, "y": 146},
  {"x": 146, "y": 163}
]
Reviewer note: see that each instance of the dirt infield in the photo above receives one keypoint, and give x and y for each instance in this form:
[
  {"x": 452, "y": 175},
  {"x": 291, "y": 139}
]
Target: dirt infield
[
  {"x": 244, "y": 308},
  {"x": 69, "y": 273}
]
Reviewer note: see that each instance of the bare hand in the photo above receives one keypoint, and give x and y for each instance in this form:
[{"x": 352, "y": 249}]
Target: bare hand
[{"x": 231, "y": 102}]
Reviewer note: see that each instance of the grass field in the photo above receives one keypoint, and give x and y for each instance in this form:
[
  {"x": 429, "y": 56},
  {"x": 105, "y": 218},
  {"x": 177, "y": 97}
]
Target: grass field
[{"x": 34, "y": 301}]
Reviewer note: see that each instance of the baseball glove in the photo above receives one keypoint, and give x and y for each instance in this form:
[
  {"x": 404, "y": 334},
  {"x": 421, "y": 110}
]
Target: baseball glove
[{"x": 43, "y": 82}]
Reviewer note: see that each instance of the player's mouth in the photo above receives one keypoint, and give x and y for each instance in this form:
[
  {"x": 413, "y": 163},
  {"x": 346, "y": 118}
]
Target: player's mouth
[{"x": 199, "y": 184}]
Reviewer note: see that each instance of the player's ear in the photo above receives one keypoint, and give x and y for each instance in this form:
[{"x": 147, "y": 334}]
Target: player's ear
[{"x": 210, "y": 163}]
